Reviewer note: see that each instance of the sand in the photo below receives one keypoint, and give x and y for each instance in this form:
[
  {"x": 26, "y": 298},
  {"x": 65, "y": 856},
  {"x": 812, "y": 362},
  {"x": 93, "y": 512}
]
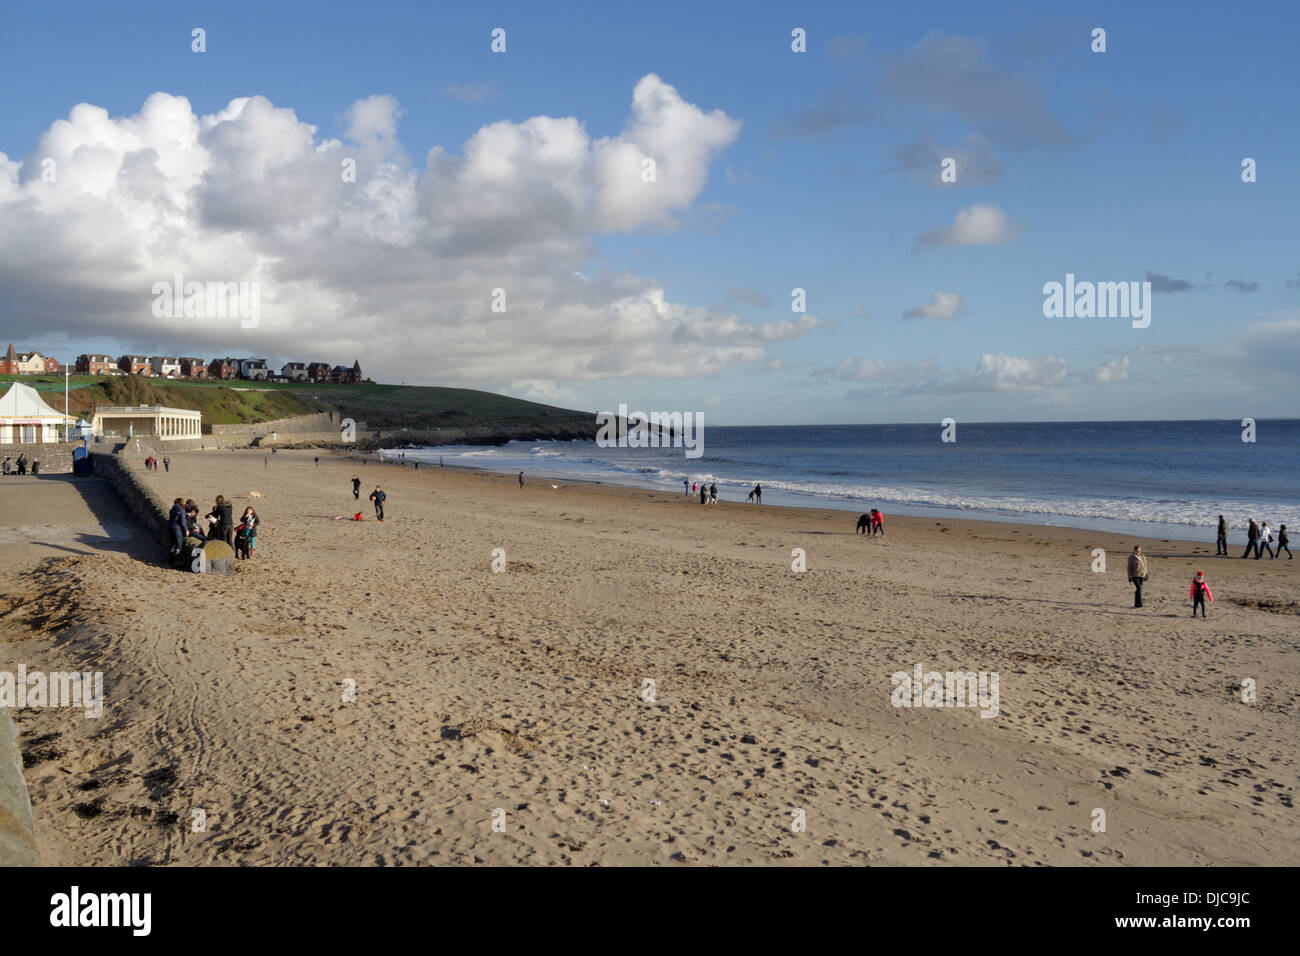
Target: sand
[{"x": 504, "y": 717}]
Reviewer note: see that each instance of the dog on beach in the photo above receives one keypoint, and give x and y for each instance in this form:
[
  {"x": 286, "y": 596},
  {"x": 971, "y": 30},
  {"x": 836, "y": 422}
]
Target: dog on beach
[
  {"x": 254, "y": 494},
  {"x": 864, "y": 523}
]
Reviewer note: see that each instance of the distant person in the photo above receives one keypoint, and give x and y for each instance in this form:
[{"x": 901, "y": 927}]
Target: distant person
[
  {"x": 22, "y": 464},
  {"x": 167, "y": 464},
  {"x": 1264, "y": 542},
  {"x": 704, "y": 494},
  {"x": 1282, "y": 543},
  {"x": 440, "y": 464},
  {"x": 417, "y": 466},
  {"x": 6, "y": 466},
  {"x": 356, "y": 488},
  {"x": 1200, "y": 593},
  {"x": 521, "y": 479},
  {"x": 178, "y": 526},
  {"x": 686, "y": 486},
  {"x": 713, "y": 493},
  {"x": 192, "y": 521},
  {"x": 266, "y": 461},
  {"x": 758, "y": 494},
  {"x": 1252, "y": 539},
  {"x": 317, "y": 460},
  {"x": 1137, "y": 573},
  {"x": 378, "y": 497},
  {"x": 1221, "y": 543},
  {"x": 877, "y": 523}
]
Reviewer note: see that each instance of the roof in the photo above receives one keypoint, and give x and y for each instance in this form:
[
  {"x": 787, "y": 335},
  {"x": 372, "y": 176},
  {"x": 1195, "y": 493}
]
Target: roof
[{"x": 23, "y": 401}]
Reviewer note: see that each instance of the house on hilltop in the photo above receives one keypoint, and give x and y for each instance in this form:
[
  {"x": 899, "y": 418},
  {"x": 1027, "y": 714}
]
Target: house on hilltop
[
  {"x": 254, "y": 369},
  {"x": 194, "y": 368},
  {"x": 223, "y": 368},
  {"x": 26, "y": 363},
  {"x": 134, "y": 364},
  {"x": 165, "y": 366},
  {"x": 96, "y": 365},
  {"x": 294, "y": 371}
]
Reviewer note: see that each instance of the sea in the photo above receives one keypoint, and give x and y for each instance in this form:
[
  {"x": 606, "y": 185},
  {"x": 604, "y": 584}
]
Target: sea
[{"x": 1149, "y": 479}]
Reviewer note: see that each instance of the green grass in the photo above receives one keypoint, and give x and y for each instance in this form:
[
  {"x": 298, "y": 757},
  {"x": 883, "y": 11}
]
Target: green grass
[{"x": 379, "y": 406}]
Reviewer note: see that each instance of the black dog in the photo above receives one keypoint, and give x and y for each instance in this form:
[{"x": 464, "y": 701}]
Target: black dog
[{"x": 864, "y": 524}]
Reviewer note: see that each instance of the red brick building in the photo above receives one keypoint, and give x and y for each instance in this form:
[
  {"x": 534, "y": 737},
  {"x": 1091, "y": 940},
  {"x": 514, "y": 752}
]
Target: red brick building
[
  {"x": 194, "y": 368},
  {"x": 96, "y": 364},
  {"x": 223, "y": 368}
]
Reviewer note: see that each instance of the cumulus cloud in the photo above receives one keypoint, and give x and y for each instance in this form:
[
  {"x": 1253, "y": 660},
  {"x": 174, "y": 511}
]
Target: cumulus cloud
[
  {"x": 1111, "y": 372},
  {"x": 1008, "y": 373},
  {"x": 944, "y": 305},
  {"x": 983, "y": 224},
  {"x": 398, "y": 267}
]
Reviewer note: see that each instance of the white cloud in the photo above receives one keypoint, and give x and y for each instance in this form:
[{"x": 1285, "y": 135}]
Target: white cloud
[
  {"x": 1111, "y": 372},
  {"x": 397, "y": 268},
  {"x": 944, "y": 305},
  {"x": 983, "y": 224}
]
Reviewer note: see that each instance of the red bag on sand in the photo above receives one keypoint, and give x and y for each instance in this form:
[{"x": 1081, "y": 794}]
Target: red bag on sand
[{"x": 358, "y": 517}]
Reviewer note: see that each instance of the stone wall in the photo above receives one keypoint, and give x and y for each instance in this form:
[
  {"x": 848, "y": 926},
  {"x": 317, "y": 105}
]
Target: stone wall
[
  {"x": 321, "y": 422},
  {"x": 145, "y": 504},
  {"x": 55, "y": 457},
  {"x": 17, "y": 839}
]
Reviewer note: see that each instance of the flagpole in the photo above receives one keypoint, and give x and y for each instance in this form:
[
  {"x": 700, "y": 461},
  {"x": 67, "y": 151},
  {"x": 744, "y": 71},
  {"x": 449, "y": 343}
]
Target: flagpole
[{"x": 65, "y": 401}]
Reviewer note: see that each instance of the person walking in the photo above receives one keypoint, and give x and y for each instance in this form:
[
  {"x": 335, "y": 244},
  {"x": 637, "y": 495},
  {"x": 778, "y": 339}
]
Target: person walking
[
  {"x": 1200, "y": 593},
  {"x": 1282, "y": 543},
  {"x": 1252, "y": 539},
  {"x": 317, "y": 460},
  {"x": 1221, "y": 543},
  {"x": 356, "y": 488},
  {"x": 1137, "y": 573},
  {"x": 521, "y": 479},
  {"x": 758, "y": 494},
  {"x": 378, "y": 497},
  {"x": 713, "y": 493},
  {"x": 1265, "y": 542},
  {"x": 704, "y": 494},
  {"x": 877, "y": 523},
  {"x": 686, "y": 486},
  {"x": 167, "y": 464}
]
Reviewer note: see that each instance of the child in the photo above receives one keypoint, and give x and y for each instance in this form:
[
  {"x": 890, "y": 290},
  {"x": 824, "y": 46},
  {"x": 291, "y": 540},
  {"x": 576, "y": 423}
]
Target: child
[
  {"x": 877, "y": 523},
  {"x": 1200, "y": 594},
  {"x": 248, "y": 525}
]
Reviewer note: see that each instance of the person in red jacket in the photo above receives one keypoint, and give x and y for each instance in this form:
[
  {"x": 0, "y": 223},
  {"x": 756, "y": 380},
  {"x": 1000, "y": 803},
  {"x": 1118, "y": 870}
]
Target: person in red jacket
[
  {"x": 877, "y": 523},
  {"x": 1200, "y": 593}
]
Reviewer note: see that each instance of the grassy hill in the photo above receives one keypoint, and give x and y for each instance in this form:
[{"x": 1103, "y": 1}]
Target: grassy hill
[{"x": 379, "y": 406}]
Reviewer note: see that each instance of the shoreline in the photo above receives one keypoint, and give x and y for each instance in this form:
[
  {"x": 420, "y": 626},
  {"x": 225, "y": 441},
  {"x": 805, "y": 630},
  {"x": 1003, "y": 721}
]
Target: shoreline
[{"x": 1118, "y": 527}]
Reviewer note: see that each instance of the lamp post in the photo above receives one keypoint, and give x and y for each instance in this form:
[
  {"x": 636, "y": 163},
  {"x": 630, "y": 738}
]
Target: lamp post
[{"x": 65, "y": 402}]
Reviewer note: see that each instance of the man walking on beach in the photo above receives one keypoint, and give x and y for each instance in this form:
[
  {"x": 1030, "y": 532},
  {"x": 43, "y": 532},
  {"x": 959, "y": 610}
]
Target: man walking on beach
[
  {"x": 1264, "y": 542},
  {"x": 378, "y": 497},
  {"x": 1252, "y": 539},
  {"x": 356, "y": 488},
  {"x": 167, "y": 463},
  {"x": 1221, "y": 545},
  {"x": 521, "y": 479},
  {"x": 1137, "y": 573}
]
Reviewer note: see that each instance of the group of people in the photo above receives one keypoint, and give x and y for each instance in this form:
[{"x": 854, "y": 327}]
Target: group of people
[
  {"x": 151, "y": 463},
  {"x": 1259, "y": 538},
  {"x": 20, "y": 466},
  {"x": 217, "y": 525},
  {"x": 708, "y": 493}
]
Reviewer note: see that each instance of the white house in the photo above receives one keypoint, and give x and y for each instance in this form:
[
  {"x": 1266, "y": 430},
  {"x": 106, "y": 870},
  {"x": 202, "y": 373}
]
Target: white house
[
  {"x": 25, "y": 418},
  {"x": 165, "y": 366},
  {"x": 254, "y": 368}
]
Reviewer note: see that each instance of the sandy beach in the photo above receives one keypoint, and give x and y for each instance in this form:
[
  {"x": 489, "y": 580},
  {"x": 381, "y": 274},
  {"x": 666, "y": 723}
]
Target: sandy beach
[{"x": 508, "y": 717}]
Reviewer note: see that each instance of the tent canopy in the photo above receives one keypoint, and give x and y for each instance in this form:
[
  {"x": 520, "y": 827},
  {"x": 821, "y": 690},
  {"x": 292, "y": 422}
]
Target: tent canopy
[{"x": 23, "y": 401}]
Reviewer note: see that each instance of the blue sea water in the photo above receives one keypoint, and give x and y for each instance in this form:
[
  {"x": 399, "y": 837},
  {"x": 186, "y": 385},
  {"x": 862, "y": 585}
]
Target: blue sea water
[{"x": 1153, "y": 479}]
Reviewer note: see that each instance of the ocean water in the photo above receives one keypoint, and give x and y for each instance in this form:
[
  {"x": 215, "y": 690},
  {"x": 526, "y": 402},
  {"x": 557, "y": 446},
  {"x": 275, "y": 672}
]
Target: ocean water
[{"x": 1151, "y": 479}]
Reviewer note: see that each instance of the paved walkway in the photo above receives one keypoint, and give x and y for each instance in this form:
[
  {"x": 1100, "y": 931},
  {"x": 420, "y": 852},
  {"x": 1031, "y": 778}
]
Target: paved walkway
[{"x": 49, "y": 515}]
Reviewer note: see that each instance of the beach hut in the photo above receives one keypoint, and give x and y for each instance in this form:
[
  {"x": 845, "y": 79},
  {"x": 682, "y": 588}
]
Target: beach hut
[{"x": 25, "y": 419}]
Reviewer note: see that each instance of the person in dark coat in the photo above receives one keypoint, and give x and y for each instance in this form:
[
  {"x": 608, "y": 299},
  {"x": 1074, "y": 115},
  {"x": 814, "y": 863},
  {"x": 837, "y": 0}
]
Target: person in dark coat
[
  {"x": 1221, "y": 544},
  {"x": 356, "y": 488},
  {"x": 1252, "y": 539},
  {"x": 178, "y": 525},
  {"x": 378, "y": 497}
]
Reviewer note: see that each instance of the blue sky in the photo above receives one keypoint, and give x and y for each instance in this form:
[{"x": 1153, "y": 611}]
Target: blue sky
[{"x": 781, "y": 170}]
